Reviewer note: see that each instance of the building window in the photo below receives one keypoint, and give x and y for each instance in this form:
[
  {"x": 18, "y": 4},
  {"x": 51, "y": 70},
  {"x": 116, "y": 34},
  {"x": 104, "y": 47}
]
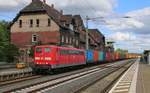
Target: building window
[
  {"x": 62, "y": 39},
  {"x": 70, "y": 40},
  {"x": 77, "y": 42},
  {"x": 34, "y": 38},
  {"x": 20, "y": 23},
  {"x": 49, "y": 22},
  {"x": 37, "y": 22},
  {"x": 67, "y": 25},
  {"x": 74, "y": 40},
  {"x": 66, "y": 39},
  {"x": 31, "y": 22}
]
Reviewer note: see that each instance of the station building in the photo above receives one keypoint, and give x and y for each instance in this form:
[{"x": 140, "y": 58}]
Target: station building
[{"x": 41, "y": 24}]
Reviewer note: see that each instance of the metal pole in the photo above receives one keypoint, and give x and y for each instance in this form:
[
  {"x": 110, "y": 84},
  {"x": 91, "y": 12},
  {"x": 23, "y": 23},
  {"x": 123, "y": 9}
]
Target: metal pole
[{"x": 87, "y": 36}]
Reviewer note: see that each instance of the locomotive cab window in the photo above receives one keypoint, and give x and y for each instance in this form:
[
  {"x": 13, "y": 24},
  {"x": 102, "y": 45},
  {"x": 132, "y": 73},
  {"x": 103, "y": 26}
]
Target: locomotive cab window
[
  {"x": 47, "y": 50},
  {"x": 38, "y": 50},
  {"x": 64, "y": 52}
]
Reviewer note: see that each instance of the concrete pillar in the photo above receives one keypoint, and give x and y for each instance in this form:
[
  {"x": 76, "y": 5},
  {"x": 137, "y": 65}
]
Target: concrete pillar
[{"x": 148, "y": 58}]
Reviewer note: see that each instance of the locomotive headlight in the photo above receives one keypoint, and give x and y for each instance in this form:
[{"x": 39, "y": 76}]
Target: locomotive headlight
[
  {"x": 48, "y": 58},
  {"x": 37, "y": 58}
]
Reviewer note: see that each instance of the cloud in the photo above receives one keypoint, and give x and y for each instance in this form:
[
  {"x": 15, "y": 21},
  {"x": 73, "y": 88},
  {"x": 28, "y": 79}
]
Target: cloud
[
  {"x": 134, "y": 31},
  {"x": 83, "y": 7},
  {"x": 132, "y": 42},
  {"x": 119, "y": 36},
  {"x": 142, "y": 41},
  {"x": 140, "y": 13},
  {"x": 12, "y": 5},
  {"x": 124, "y": 24},
  {"x": 138, "y": 22}
]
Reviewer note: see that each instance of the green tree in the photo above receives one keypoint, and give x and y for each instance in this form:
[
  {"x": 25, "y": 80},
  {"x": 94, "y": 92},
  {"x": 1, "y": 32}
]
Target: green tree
[
  {"x": 4, "y": 33},
  {"x": 121, "y": 50},
  {"x": 8, "y": 51}
]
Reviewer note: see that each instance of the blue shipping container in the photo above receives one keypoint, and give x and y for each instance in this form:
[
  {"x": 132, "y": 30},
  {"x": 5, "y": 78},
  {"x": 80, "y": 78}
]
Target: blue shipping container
[
  {"x": 89, "y": 56},
  {"x": 104, "y": 56}
]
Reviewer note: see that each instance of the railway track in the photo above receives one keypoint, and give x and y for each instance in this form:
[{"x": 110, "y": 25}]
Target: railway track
[
  {"x": 30, "y": 82},
  {"x": 104, "y": 84},
  {"x": 57, "y": 88},
  {"x": 48, "y": 82},
  {"x": 11, "y": 75},
  {"x": 21, "y": 76},
  {"x": 14, "y": 74},
  {"x": 3, "y": 83}
]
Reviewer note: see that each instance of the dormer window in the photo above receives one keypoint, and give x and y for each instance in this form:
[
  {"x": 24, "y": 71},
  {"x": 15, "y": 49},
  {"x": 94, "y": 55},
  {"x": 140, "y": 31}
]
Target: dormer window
[
  {"x": 20, "y": 23},
  {"x": 31, "y": 22},
  {"x": 37, "y": 22},
  {"x": 49, "y": 22}
]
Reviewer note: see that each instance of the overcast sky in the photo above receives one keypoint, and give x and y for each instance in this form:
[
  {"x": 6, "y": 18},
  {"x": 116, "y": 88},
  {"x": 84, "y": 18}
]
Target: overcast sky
[{"x": 132, "y": 33}]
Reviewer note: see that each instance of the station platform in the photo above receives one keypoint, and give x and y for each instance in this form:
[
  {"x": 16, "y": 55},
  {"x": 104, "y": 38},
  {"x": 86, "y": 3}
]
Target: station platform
[
  {"x": 143, "y": 79},
  {"x": 13, "y": 73},
  {"x": 135, "y": 80},
  {"x": 14, "y": 70}
]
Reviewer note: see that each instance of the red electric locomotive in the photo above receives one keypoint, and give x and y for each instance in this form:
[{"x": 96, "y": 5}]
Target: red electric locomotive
[{"x": 49, "y": 57}]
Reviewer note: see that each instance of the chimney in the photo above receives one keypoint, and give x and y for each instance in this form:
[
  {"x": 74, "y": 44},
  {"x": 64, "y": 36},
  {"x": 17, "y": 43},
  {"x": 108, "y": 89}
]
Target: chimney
[
  {"x": 52, "y": 5},
  {"x": 44, "y": 1},
  {"x": 34, "y": 0},
  {"x": 61, "y": 11}
]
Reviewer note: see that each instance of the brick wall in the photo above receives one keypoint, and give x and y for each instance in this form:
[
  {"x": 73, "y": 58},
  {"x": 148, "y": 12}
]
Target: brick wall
[{"x": 22, "y": 39}]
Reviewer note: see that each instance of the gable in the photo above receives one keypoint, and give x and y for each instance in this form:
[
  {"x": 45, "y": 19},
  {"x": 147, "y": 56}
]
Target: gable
[{"x": 43, "y": 23}]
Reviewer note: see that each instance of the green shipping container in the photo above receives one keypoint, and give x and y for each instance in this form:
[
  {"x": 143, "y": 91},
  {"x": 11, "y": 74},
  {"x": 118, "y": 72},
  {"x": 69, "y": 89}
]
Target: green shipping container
[{"x": 101, "y": 56}]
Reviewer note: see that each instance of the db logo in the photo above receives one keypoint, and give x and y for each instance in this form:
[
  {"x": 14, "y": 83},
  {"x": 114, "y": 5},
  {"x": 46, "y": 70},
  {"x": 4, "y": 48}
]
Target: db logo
[{"x": 42, "y": 58}]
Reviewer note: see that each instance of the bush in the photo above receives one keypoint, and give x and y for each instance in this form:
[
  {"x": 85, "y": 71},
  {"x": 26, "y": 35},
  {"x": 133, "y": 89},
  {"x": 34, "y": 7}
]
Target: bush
[{"x": 11, "y": 53}]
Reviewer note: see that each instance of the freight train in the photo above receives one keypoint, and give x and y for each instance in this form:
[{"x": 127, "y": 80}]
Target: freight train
[{"x": 47, "y": 57}]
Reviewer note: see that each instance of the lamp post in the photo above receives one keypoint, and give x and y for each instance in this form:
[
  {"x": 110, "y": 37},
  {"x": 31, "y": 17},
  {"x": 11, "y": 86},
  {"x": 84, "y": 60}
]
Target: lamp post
[{"x": 87, "y": 32}]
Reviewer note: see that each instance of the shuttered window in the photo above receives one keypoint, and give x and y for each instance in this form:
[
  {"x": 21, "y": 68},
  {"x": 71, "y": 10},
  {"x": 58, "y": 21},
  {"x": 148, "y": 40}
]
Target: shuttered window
[
  {"x": 49, "y": 22},
  {"x": 31, "y": 22},
  {"x": 20, "y": 23},
  {"x": 37, "y": 22}
]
